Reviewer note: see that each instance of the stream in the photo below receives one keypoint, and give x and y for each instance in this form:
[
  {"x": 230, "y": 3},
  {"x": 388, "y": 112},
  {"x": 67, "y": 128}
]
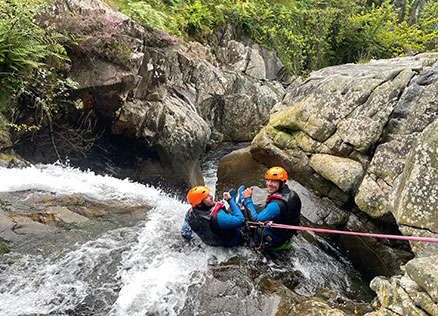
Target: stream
[{"x": 143, "y": 266}]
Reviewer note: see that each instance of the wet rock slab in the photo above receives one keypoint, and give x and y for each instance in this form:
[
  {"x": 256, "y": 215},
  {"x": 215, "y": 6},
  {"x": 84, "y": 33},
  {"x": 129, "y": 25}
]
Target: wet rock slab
[
  {"x": 234, "y": 288},
  {"x": 39, "y": 221}
]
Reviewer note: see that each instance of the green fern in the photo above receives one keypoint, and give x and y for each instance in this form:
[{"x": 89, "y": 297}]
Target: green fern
[
  {"x": 146, "y": 15},
  {"x": 31, "y": 58}
]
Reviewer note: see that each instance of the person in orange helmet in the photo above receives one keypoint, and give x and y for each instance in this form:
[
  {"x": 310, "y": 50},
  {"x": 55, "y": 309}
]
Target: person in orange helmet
[
  {"x": 283, "y": 206},
  {"x": 212, "y": 221}
]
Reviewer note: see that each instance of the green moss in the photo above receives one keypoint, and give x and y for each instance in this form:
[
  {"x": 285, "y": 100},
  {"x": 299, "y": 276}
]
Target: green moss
[
  {"x": 4, "y": 247},
  {"x": 291, "y": 118},
  {"x": 270, "y": 131},
  {"x": 284, "y": 140},
  {"x": 307, "y": 143}
]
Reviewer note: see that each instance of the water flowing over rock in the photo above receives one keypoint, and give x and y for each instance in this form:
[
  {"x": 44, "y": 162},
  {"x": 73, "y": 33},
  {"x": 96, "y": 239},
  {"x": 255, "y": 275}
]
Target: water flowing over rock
[
  {"x": 364, "y": 135},
  {"x": 114, "y": 248}
]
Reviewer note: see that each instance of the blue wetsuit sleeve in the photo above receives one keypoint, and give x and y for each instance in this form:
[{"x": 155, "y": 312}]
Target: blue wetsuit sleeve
[
  {"x": 271, "y": 211},
  {"x": 228, "y": 221},
  {"x": 186, "y": 231}
]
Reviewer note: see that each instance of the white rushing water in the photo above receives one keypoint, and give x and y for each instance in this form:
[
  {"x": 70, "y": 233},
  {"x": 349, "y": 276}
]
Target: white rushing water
[
  {"x": 150, "y": 274},
  {"x": 146, "y": 268}
]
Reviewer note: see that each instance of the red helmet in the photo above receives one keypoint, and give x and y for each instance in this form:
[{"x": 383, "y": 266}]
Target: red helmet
[
  {"x": 197, "y": 194},
  {"x": 276, "y": 173}
]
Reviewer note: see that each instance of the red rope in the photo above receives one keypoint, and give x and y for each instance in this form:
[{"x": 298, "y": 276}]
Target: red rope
[{"x": 321, "y": 230}]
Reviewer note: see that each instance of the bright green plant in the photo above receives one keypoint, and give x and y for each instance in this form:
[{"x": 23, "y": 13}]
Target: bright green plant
[
  {"x": 20, "y": 48},
  {"x": 198, "y": 17},
  {"x": 378, "y": 33},
  {"x": 26, "y": 50},
  {"x": 34, "y": 66},
  {"x": 428, "y": 23},
  {"x": 146, "y": 15}
]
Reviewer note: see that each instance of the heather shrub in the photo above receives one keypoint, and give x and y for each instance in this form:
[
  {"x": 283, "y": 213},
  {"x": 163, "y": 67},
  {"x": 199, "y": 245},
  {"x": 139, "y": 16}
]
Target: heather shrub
[
  {"x": 160, "y": 39},
  {"x": 94, "y": 33}
]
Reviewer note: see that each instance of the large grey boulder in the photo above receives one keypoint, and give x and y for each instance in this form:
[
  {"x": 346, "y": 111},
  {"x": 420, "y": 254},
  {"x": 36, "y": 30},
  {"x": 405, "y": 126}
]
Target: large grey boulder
[
  {"x": 178, "y": 100},
  {"x": 415, "y": 110},
  {"x": 238, "y": 52},
  {"x": 368, "y": 115},
  {"x": 423, "y": 271},
  {"x": 364, "y": 135},
  {"x": 415, "y": 202}
]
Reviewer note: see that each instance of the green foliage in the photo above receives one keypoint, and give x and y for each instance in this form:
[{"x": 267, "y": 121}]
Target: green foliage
[
  {"x": 378, "y": 33},
  {"x": 428, "y": 23},
  {"x": 194, "y": 18},
  {"x": 33, "y": 62},
  {"x": 146, "y": 15},
  {"x": 199, "y": 17},
  {"x": 302, "y": 34},
  {"x": 21, "y": 49},
  {"x": 306, "y": 34},
  {"x": 20, "y": 46},
  {"x": 23, "y": 127}
]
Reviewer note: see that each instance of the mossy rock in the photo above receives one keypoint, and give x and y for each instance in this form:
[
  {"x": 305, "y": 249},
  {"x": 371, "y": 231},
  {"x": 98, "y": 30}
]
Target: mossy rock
[
  {"x": 415, "y": 202},
  {"x": 5, "y": 137},
  {"x": 344, "y": 172}
]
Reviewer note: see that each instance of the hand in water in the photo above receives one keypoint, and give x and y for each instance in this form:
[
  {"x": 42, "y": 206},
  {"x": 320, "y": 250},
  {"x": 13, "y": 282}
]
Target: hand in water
[{"x": 186, "y": 231}]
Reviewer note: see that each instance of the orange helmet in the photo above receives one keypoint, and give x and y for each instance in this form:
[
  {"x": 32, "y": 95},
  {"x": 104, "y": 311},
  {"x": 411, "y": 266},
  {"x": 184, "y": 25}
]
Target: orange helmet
[
  {"x": 197, "y": 194},
  {"x": 276, "y": 173}
]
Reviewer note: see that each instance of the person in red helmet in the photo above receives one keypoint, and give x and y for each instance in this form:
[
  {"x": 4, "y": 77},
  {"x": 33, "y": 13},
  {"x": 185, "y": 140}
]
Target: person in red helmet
[
  {"x": 211, "y": 220},
  {"x": 283, "y": 206}
]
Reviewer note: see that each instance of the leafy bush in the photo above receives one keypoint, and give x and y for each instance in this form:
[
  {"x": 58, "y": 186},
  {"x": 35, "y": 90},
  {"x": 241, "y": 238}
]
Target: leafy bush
[
  {"x": 146, "y": 15},
  {"x": 30, "y": 58},
  {"x": 378, "y": 33},
  {"x": 428, "y": 23},
  {"x": 303, "y": 35}
]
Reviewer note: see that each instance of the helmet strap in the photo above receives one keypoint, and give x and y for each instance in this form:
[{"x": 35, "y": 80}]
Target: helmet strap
[{"x": 202, "y": 206}]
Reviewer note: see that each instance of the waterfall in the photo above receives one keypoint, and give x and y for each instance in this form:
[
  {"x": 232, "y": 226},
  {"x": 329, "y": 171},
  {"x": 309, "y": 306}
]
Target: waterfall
[{"x": 138, "y": 270}]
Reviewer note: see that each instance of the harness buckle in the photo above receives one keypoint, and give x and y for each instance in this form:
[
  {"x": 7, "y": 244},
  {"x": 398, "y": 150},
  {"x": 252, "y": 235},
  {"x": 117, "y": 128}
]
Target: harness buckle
[{"x": 266, "y": 224}]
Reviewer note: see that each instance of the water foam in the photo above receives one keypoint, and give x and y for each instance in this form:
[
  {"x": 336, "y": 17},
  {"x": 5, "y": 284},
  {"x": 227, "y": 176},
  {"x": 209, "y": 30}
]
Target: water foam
[
  {"x": 157, "y": 272},
  {"x": 155, "y": 268},
  {"x": 69, "y": 180}
]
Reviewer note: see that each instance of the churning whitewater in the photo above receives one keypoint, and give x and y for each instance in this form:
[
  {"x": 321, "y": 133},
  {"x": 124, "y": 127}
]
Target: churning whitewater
[
  {"x": 137, "y": 270},
  {"x": 154, "y": 268}
]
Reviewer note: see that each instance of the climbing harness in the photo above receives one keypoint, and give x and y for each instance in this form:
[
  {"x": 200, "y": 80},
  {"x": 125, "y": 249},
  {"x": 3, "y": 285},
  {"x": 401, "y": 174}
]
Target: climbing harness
[
  {"x": 321, "y": 230},
  {"x": 267, "y": 244}
]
